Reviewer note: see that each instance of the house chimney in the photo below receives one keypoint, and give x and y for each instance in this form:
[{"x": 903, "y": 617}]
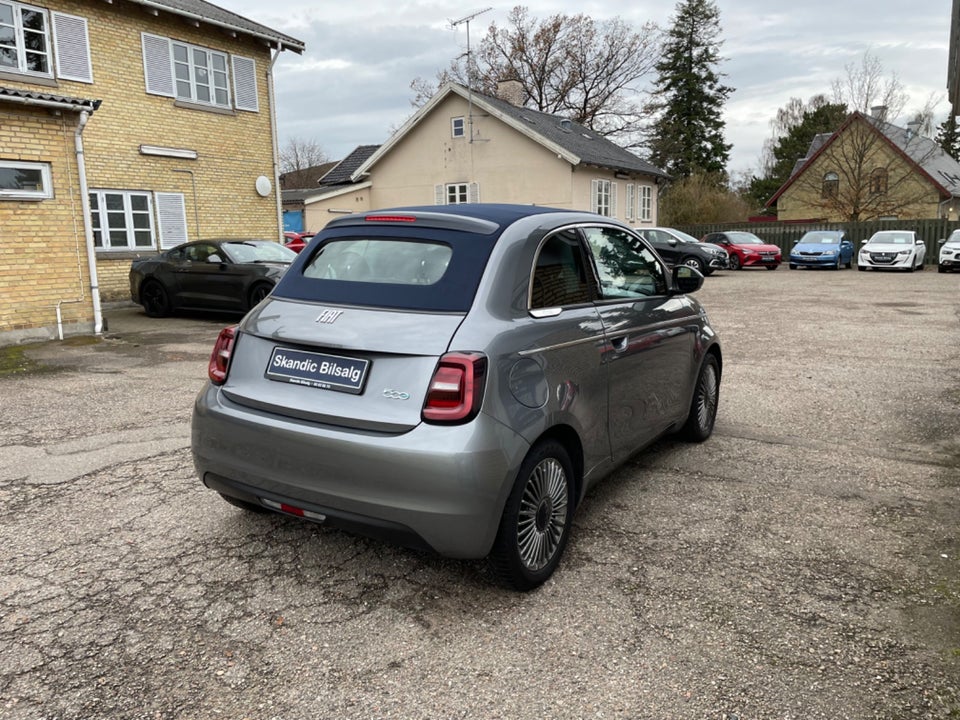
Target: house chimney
[
  {"x": 879, "y": 112},
  {"x": 512, "y": 92}
]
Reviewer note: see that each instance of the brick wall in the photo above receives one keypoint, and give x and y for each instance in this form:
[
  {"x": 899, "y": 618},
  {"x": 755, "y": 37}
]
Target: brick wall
[
  {"x": 43, "y": 261},
  {"x": 233, "y": 148}
]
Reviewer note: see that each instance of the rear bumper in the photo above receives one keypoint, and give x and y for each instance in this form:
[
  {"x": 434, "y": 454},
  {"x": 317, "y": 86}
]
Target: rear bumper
[{"x": 437, "y": 487}]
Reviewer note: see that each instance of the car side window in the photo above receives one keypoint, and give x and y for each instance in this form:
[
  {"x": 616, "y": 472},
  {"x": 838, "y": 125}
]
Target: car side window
[
  {"x": 626, "y": 267},
  {"x": 559, "y": 275},
  {"x": 199, "y": 253}
]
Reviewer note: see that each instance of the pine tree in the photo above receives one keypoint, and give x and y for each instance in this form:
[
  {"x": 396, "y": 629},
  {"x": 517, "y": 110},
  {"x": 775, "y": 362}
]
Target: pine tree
[
  {"x": 687, "y": 134},
  {"x": 948, "y": 137}
]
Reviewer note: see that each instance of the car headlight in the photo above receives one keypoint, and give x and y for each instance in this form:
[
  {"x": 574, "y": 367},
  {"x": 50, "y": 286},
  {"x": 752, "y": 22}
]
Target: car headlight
[
  {"x": 830, "y": 252},
  {"x": 904, "y": 252}
]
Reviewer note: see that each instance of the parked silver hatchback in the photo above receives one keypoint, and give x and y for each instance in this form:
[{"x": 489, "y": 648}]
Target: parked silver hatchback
[{"x": 456, "y": 378}]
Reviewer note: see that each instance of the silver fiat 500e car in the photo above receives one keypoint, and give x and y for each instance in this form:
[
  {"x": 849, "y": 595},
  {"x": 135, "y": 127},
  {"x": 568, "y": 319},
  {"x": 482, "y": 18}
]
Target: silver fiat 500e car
[{"x": 456, "y": 378}]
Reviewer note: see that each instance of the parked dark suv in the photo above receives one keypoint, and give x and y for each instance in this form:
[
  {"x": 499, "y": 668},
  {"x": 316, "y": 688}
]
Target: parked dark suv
[{"x": 678, "y": 248}]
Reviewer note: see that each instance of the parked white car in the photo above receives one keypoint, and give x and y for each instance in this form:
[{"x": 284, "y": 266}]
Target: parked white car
[
  {"x": 950, "y": 253},
  {"x": 896, "y": 249}
]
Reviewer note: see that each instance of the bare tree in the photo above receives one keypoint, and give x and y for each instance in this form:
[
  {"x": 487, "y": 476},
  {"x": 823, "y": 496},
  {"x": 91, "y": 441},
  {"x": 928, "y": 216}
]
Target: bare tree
[
  {"x": 299, "y": 154},
  {"x": 594, "y": 72},
  {"x": 867, "y": 169},
  {"x": 866, "y": 86}
]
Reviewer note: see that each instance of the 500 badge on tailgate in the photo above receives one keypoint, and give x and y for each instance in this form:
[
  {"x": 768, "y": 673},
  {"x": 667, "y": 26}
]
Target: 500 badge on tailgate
[{"x": 329, "y": 372}]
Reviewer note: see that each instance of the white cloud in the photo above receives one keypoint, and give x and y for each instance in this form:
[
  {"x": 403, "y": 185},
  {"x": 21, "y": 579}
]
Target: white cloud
[{"x": 352, "y": 84}]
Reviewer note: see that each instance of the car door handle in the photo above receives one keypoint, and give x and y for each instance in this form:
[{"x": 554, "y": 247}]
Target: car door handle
[{"x": 620, "y": 344}]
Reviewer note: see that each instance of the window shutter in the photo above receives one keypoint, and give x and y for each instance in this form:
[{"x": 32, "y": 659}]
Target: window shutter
[
  {"x": 73, "y": 48},
  {"x": 613, "y": 199},
  {"x": 157, "y": 65},
  {"x": 171, "y": 219},
  {"x": 473, "y": 193},
  {"x": 631, "y": 194},
  {"x": 440, "y": 195},
  {"x": 594, "y": 191},
  {"x": 245, "y": 84}
]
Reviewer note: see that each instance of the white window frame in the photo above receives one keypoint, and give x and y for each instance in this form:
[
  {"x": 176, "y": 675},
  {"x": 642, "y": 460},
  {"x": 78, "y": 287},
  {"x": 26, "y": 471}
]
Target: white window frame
[
  {"x": 100, "y": 220},
  {"x": 19, "y": 44},
  {"x": 457, "y": 193},
  {"x": 458, "y": 127},
  {"x": 193, "y": 74},
  {"x": 646, "y": 203},
  {"x": 630, "y": 214},
  {"x": 46, "y": 184},
  {"x": 604, "y": 197}
]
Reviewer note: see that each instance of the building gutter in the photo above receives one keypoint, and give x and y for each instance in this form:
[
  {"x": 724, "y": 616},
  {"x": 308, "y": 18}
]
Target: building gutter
[
  {"x": 87, "y": 226},
  {"x": 271, "y": 98}
]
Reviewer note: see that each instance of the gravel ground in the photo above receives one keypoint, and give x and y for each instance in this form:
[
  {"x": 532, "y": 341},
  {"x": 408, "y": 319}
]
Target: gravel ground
[{"x": 802, "y": 563}]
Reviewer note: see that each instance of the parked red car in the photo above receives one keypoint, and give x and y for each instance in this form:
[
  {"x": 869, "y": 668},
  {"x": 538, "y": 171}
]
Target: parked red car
[
  {"x": 746, "y": 249},
  {"x": 297, "y": 241}
]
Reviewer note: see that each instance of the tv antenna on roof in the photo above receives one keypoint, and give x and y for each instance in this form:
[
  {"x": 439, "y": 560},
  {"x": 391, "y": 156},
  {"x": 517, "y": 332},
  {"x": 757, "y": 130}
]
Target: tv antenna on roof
[{"x": 471, "y": 75}]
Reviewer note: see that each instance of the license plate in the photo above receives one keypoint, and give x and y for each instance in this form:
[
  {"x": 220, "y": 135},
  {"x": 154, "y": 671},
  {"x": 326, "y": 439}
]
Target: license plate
[{"x": 318, "y": 370}]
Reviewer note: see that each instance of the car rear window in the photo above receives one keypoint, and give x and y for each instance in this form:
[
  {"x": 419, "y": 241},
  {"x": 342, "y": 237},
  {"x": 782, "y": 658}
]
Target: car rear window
[
  {"x": 397, "y": 268},
  {"x": 380, "y": 260}
]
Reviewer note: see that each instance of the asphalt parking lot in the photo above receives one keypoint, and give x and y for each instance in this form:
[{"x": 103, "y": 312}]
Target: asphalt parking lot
[{"x": 803, "y": 563}]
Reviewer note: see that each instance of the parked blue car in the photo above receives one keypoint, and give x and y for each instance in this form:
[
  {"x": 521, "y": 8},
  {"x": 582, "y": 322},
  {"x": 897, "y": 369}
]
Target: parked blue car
[{"x": 822, "y": 248}]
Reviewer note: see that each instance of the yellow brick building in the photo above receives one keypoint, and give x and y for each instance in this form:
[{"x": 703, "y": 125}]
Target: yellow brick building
[
  {"x": 125, "y": 128},
  {"x": 870, "y": 169}
]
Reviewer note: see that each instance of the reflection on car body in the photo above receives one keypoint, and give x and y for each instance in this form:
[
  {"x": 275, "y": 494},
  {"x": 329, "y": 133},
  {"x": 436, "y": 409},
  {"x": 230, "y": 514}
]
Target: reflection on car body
[{"x": 508, "y": 356}]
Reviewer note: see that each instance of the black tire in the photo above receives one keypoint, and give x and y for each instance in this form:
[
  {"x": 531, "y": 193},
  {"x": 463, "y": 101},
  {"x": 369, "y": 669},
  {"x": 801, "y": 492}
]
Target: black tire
[
  {"x": 792, "y": 266},
  {"x": 695, "y": 263},
  {"x": 861, "y": 268},
  {"x": 734, "y": 262},
  {"x": 772, "y": 267},
  {"x": 837, "y": 266},
  {"x": 536, "y": 520},
  {"x": 257, "y": 293},
  {"x": 703, "y": 406},
  {"x": 849, "y": 264},
  {"x": 244, "y": 505},
  {"x": 941, "y": 268},
  {"x": 155, "y": 299}
]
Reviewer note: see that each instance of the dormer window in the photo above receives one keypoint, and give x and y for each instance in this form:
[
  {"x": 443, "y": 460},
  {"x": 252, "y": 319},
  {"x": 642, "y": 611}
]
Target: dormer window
[{"x": 458, "y": 127}]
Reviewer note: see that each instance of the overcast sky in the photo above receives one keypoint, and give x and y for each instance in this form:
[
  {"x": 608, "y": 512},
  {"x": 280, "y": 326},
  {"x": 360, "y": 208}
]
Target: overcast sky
[{"x": 352, "y": 85}]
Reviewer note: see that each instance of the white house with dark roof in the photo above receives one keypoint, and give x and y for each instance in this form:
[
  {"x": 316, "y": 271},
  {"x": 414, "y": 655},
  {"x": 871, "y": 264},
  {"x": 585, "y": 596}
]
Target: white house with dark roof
[{"x": 465, "y": 147}]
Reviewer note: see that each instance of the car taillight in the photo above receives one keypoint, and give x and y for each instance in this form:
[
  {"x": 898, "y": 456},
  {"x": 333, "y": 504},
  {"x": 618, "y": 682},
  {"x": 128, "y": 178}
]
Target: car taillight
[
  {"x": 456, "y": 389},
  {"x": 220, "y": 357}
]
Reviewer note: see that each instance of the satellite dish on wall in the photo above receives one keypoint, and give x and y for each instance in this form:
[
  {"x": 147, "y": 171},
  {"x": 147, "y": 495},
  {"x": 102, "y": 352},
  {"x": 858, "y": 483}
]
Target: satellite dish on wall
[{"x": 263, "y": 186}]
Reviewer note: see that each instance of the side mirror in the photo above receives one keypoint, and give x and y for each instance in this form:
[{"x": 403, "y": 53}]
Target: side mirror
[
  {"x": 672, "y": 242},
  {"x": 686, "y": 279},
  {"x": 214, "y": 259},
  {"x": 941, "y": 241},
  {"x": 919, "y": 242},
  {"x": 863, "y": 242}
]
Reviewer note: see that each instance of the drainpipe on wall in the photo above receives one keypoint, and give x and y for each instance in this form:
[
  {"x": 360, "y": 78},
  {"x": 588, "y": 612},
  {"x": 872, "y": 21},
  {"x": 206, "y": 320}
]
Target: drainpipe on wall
[
  {"x": 87, "y": 228},
  {"x": 276, "y": 145}
]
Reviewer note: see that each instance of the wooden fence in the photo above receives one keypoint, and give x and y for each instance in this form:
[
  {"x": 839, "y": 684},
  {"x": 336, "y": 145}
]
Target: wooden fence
[{"x": 784, "y": 234}]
